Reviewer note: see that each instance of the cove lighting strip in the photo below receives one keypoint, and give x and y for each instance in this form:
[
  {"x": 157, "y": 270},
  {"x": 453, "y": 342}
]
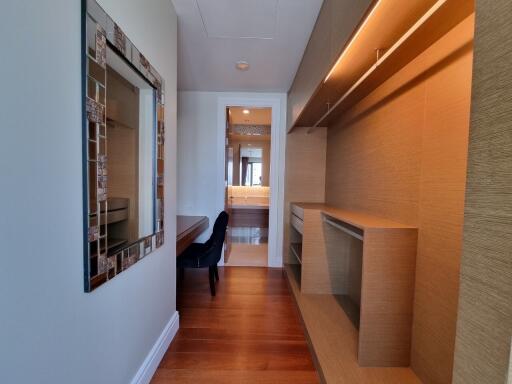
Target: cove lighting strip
[{"x": 353, "y": 39}]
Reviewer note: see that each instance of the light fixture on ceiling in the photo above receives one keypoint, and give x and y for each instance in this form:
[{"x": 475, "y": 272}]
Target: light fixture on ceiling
[
  {"x": 246, "y": 111},
  {"x": 242, "y": 65}
]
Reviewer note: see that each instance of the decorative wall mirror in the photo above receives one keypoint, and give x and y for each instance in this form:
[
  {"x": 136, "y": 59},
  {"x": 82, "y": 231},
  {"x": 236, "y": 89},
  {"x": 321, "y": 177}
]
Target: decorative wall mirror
[{"x": 123, "y": 145}]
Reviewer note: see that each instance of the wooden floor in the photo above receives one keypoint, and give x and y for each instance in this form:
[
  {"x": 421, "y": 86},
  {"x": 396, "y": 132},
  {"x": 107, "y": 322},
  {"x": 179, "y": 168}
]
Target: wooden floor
[{"x": 249, "y": 333}]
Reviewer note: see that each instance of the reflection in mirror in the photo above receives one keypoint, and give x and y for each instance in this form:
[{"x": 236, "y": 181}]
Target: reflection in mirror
[
  {"x": 248, "y": 146},
  {"x": 123, "y": 131},
  {"x": 131, "y": 164},
  {"x": 251, "y": 162}
]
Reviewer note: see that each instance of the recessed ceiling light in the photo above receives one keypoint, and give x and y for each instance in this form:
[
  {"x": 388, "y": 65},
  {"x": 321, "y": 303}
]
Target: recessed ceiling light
[
  {"x": 246, "y": 111},
  {"x": 242, "y": 65}
]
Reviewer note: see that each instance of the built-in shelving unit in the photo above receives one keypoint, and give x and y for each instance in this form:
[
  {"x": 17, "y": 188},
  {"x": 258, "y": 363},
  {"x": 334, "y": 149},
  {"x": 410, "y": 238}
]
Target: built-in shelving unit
[
  {"x": 348, "y": 255},
  {"x": 373, "y": 139},
  {"x": 116, "y": 220},
  {"x": 379, "y": 49},
  {"x": 334, "y": 340},
  {"x": 296, "y": 249}
]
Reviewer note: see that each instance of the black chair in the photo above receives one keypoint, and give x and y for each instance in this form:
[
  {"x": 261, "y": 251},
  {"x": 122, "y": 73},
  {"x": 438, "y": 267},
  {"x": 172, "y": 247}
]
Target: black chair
[{"x": 199, "y": 255}]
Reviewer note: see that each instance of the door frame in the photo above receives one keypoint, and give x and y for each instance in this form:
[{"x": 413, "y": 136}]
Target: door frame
[{"x": 277, "y": 103}]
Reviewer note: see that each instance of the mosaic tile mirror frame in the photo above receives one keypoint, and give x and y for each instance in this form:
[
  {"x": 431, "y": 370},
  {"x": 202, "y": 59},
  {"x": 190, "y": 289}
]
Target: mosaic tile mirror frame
[{"x": 104, "y": 259}]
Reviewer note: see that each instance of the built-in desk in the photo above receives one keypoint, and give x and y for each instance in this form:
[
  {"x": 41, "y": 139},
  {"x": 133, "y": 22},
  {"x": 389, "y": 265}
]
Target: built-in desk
[
  {"x": 188, "y": 228},
  {"x": 368, "y": 264}
]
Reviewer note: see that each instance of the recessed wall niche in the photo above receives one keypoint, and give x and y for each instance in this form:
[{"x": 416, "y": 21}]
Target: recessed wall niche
[{"x": 123, "y": 150}]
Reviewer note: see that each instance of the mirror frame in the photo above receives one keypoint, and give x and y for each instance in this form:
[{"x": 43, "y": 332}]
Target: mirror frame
[{"x": 98, "y": 32}]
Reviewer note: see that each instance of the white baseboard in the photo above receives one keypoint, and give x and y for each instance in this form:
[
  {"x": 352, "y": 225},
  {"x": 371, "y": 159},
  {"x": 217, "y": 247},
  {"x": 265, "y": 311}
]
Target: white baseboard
[{"x": 150, "y": 364}]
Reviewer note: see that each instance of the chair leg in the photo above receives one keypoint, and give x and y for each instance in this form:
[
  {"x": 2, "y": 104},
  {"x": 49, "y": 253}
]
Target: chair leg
[
  {"x": 216, "y": 270},
  {"x": 211, "y": 275}
]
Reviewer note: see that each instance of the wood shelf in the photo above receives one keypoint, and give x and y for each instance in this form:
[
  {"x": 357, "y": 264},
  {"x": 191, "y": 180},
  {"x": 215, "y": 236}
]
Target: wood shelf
[
  {"x": 364, "y": 261},
  {"x": 113, "y": 243},
  {"x": 359, "y": 220},
  {"x": 334, "y": 340},
  {"x": 412, "y": 27}
]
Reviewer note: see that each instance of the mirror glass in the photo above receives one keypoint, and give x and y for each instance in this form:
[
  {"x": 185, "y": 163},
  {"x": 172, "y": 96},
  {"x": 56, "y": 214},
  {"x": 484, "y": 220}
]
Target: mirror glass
[
  {"x": 251, "y": 166},
  {"x": 131, "y": 116},
  {"x": 248, "y": 147},
  {"x": 123, "y": 131}
]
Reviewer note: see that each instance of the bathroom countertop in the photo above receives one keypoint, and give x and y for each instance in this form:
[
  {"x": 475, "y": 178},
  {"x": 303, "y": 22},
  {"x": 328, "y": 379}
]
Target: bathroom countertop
[
  {"x": 250, "y": 206},
  {"x": 249, "y": 203}
]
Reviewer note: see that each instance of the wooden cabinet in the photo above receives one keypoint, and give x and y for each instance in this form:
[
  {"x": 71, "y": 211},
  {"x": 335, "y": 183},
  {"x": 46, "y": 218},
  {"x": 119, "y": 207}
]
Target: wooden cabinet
[
  {"x": 385, "y": 133},
  {"x": 368, "y": 263},
  {"x": 391, "y": 35},
  {"x": 335, "y": 23}
]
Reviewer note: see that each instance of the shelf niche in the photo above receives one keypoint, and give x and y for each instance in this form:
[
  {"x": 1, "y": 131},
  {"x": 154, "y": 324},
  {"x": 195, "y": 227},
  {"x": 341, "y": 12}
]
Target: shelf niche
[{"x": 391, "y": 35}]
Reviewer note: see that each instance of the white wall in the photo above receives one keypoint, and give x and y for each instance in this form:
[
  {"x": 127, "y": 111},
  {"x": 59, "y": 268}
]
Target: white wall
[
  {"x": 201, "y": 153},
  {"x": 197, "y": 155},
  {"x": 50, "y": 330}
]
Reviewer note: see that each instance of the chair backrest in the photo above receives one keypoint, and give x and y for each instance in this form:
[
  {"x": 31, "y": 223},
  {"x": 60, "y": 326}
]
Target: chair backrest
[{"x": 216, "y": 240}]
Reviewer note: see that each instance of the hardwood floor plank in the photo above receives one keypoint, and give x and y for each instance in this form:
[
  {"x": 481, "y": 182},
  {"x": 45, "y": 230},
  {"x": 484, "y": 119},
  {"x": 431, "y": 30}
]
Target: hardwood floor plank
[
  {"x": 254, "y": 361},
  {"x": 235, "y": 301},
  {"x": 238, "y": 334},
  {"x": 250, "y": 332},
  {"x": 242, "y": 347}
]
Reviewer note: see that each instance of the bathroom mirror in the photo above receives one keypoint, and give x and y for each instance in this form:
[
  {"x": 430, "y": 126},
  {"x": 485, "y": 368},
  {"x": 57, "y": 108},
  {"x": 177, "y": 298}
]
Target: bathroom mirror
[
  {"x": 251, "y": 166},
  {"x": 248, "y": 147},
  {"x": 123, "y": 133}
]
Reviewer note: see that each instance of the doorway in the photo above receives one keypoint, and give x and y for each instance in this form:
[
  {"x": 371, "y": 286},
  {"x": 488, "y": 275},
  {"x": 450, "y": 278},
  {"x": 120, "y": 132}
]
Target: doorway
[{"x": 247, "y": 186}]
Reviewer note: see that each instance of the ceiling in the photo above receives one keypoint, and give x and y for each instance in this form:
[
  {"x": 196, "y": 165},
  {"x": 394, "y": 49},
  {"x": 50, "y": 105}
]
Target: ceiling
[
  {"x": 270, "y": 35},
  {"x": 256, "y": 116}
]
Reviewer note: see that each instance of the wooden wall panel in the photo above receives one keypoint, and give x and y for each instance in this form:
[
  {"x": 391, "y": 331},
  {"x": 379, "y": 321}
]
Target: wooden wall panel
[
  {"x": 443, "y": 178},
  {"x": 373, "y": 163},
  {"x": 305, "y": 174},
  {"x": 387, "y": 297},
  {"x": 484, "y": 327},
  {"x": 401, "y": 154}
]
